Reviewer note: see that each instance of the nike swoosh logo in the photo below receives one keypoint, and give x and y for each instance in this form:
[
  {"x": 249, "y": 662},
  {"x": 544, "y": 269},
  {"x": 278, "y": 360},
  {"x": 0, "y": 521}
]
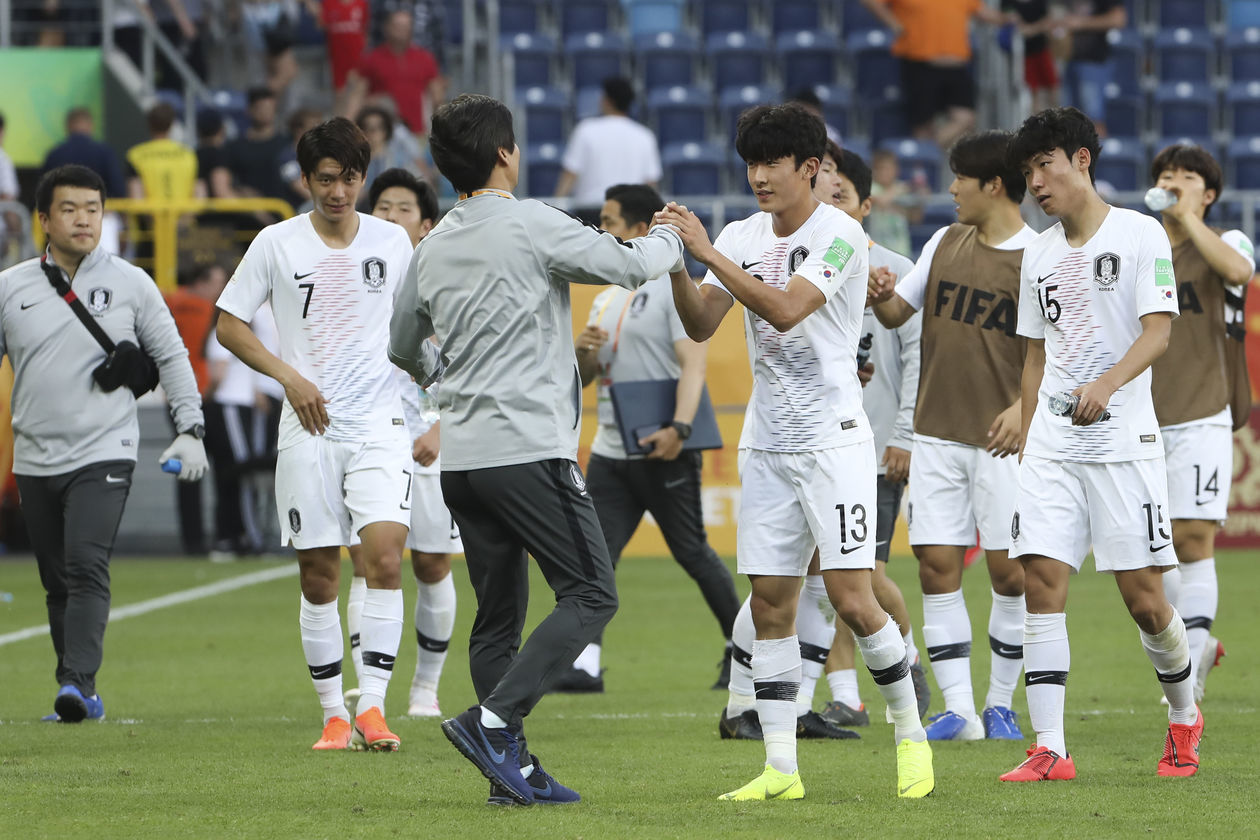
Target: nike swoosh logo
[
  {"x": 748, "y": 265},
  {"x": 297, "y": 276},
  {"x": 849, "y": 550},
  {"x": 1037, "y": 680},
  {"x": 27, "y": 306},
  {"x": 386, "y": 661},
  {"x": 1201, "y": 504},
  {"x": 323, "y": 673},
  {"x": 678, "y": 482},
  {"x": 1041, "y": 280},
  {"x": 1008, "y": 652},
  {"x": 543, "y": 792},
  {"x": 906, "y": 789},
  {"x": 497, "y": 755},
  {"x": 1155, "y": 548},
  {"x": 115, "y": 479}
]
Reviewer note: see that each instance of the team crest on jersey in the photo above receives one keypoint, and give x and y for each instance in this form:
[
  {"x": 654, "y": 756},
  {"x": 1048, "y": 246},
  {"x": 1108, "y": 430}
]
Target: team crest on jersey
[
  {"x": 1106, "y": 269},
  {"x": 1015, "y": 526},
  {"x": 374, "y": 272},
  {"x": 99, "y": 299},
  {"x": 638, "y": 302},
  {"x": 295, "y": 521},
  {"x": 796, "y": 258},
  {"x": 578, "y": 481}
]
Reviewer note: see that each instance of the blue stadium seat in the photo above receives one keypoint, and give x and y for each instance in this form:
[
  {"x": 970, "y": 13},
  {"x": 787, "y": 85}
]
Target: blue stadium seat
[
  {"x": 1242, "y": 51},
  {"x": 594, "y": 57},
  {"x": 859, "y": 147},
  {"x": 875, "y": 68},
  {"x": 1128, "y": 60},
  {"x": 918, "y": 154},
  {"x": 734, "y": 101},
  {"x": 1185, "y": 108},
  {"x": 737, "y": 59},
  {"x": 680, "y": 114},
  {"x": 582, "y": 16},
  {"x": 174, "y": 98},
  {"x": 1195, "y": 13},
  {"x": 234, "y": 107},
  {"x": 533, "y": 57},
  {"x": 586, "y": 102},
  {"x": 1185, "y": 55},
  {"x": 855, "y": 17},
  {"x": 650, "y": 17},
  {"x": 1205, "y": 142},
  {"x": 919, "y": 236},
  {"x": 546, "y": 111},
  {"x": 888, "y": 116},
  {"x": 1126, "y": 115},
  {"x": 520, "y": 16},
  {"x": 795, "y": 15},
  {"x": 693, "y": 168},
  {"x": 807, "y": 58},
  {"x": 1244, "y": 161},
  {"x": 1121, "y": 163},
  {"x": 453, "y": 21},
  {"x": 1243, "y": 14},
  {"x": 837, "y": 102},
  {"x": 723, "y": 16},
  {"x": 939, "y": 214},
  {"x": 542, "y": 169},
  {"x": 665, "y": 59},
  {"x": 1242, "y": 108}
]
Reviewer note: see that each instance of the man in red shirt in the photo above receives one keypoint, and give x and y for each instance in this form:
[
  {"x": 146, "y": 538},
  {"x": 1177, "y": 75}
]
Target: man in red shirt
[
  {"x": 345, "y": 30},
  {"x": 400, "y": 70}
]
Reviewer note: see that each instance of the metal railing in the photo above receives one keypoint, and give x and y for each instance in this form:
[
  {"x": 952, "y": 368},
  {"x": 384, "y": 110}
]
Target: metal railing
[{"x": 153, "y": 41}]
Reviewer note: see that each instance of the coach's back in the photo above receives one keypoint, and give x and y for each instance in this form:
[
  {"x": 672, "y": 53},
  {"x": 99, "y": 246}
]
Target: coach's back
[{"x": 491, "y": 281}]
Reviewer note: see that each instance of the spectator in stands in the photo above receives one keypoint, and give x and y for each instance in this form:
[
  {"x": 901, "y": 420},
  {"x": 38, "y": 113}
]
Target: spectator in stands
[
  {"x": 345, "y": 24},
  {"x": 81, "y": 148},
  {"x": 1089, "y": 70},
  {"x": 9, "y": 223},
  {"x": 300, "y": 121},
  {"x": 378, "y": 126},
  {"x": 161, "y": 168},
  {"x": 609, "y": 149},
  {"x": 891, "y": 200},
  {"x": 212, "y": 161},
  {"x": 183, "y": 24},
  {"x": 428, "y": 23},
  {"x": 270, "y": 28},
  {"x": 172, "y": 18},
  {"x": 407, "y": 74},
  {"x": 254, "y": 157},
  {"x": 1040, "y": 73},
  {"x": 808, "y": 99},
  {"x": 933, "y": 45}
]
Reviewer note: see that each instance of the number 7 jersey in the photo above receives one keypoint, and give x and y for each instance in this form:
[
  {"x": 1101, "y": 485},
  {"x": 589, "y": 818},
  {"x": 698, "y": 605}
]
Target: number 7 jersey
[
  {"x": 1086, "y": 304},
  {"x": 332, "y": 309}
]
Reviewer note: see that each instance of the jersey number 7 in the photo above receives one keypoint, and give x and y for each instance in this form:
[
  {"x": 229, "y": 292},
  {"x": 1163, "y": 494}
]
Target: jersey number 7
[{"x": 310, "y": 290}]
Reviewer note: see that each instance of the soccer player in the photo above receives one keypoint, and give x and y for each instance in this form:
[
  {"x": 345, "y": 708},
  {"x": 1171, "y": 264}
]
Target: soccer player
[
  {"x": 344, "y": 463},
  {"x": 1097, "y": 302},
  {"x": 966, "y": 424},
  {"x": 491, "y": 282},
  {"x": 808, "y": 471},
  {"x": 1191, "y": 389}
]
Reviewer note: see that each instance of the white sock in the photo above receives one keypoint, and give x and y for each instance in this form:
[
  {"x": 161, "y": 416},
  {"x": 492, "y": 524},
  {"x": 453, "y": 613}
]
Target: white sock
[
  {"x": 740, "y": 695},
  {"x": 816, "y": 630},
  {"x": 884, "y": 654},
  {"x": 324, "y": 648},
  {"x": 1169, "y": 652},
  {"x": 947, "y": 636},
  {"x": 1047, "y": 659},
  {"x": 1172, "y": 585},
  {"x": 354, "y": 623},
  {"x": 435, "y": 621},
  {"x": 844, "y": 686},
  {"x": 490, "y": 720},
  {"x": 1006, "y": 641},
  {"x": 776, "y": 666},
  {"x": 588, "y": 660},
  {"x": 382, "y": 630},
  {"x": 1197, "y": 603},
  {"x": 912, "y": 650}
]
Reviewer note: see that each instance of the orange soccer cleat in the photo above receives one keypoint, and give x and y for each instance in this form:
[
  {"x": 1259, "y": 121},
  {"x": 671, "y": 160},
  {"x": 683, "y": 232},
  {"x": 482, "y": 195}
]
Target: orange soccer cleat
[
  {"x": 1042, "y": 765},
  {"x": 1181, "y": 748},
  {"x": 371, "y": 733},
  {"x": 336, "y": 735}
]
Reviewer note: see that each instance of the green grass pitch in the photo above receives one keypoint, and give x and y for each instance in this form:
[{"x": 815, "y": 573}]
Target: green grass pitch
[{"x": 211, "y": 716}]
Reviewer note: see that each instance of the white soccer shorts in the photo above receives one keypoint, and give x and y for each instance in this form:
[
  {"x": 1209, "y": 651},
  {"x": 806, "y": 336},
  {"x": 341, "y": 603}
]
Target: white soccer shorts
[
  {"x": 433, "y": 530},
  {"x": 327, "y": 490},
  {"x": 956, "y": 488},
  {"x": 1121, "y": 509},
  {"x": 1200, "y": 470},
  {"x": 791, "y": 502}
]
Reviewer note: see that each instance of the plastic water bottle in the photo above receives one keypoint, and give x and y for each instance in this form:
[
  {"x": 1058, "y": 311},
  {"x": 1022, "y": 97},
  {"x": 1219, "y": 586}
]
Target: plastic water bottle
[
  {"x": 429, "y": 411},
  {"x": 1064, "y": 405},
  {"x": 864, "y": 349},
  {"x": 1158, "y": 198},
  {"x": 172, "y": 465}
]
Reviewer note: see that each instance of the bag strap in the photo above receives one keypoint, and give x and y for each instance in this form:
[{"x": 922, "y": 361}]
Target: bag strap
[{"x": 59, "y": 282}]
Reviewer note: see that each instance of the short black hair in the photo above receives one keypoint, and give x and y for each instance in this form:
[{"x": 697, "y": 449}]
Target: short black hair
[
  {"x": 209, "y": 123},
  {"x": 767, "y": 133},
  {"x": 986, "y": 155},
  {"x": 850, "y": 165},
  {"x": 368, "y": 111},
  {"x": 1055, "y": 128},
  {"x": 426, "y": 197},
  {"x": 160, "y": 118},
  {"x": 1192, "y": 159},
  {"x": 70, "y": 175},
  {"x": 638, "y": 202},
  {"x": 620, "y": 93},
  {"x": 338, "y": 139},
  {"x": 465, "y": 136},
  {"x": 259, "y": 93}
]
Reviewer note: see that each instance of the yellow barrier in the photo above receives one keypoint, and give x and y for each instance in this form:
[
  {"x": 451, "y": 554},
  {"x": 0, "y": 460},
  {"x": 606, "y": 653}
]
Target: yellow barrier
[{"x": 166, "y": 217}]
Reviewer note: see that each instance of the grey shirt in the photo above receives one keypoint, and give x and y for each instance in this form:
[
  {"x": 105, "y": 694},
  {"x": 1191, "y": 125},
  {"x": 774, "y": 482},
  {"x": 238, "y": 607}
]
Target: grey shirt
[
  {"x": 62, "y": 420},
  {"x": 890, "y": 396},
  {"x": 491, "y": 280}
]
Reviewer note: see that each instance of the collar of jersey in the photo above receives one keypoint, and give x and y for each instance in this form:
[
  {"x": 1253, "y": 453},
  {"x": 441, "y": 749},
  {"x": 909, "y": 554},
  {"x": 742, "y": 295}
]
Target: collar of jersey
[{"x": 475, "y": 193}]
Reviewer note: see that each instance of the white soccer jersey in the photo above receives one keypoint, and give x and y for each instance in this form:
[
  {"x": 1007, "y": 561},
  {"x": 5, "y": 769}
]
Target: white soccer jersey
[
  {"x": 1085, "y": 303},
  {"x": 332, "y": 310},
  {"x": 806, "y": 394}
]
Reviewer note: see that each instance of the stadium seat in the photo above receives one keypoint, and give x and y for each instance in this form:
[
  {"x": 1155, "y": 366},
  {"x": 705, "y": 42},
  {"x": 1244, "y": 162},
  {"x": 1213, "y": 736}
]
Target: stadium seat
[
  {"x": 665, "y": 59},
  {"x": 1194, "y": 13},
  {"x": 855, "y": 17},
  {"x": 859, "y": 147},
  {"x": 1244, "y": 161},
  {"x": 453, "y": 21},
  {"x": 520, "y": 16},
  {"x": 888, "y": 116},
  {"x": 807, "y": 58},
  {"x": 578, "y": 17},
  {"x": 1205, "y": 142},
  {"x": 1243, "y": 14},
  {"x": 726, "y": 16},
  {"x": 542, "y": 169},
  {"x": 1125, "y": 115},
  {"x": 533, "y": 57},
  {"x": 918, "y": 155},
  {"x": 939, "y": 214},
  {"x": 795, "y": 15},
  {"x": 1185, "y": 55},
  {"x": 1185, "y": 108},
  {"x": 1242, "y": 108},
  {"x": 734, "y": 101},
  {"x": 680, "y": 114},
  {"x": 650, "y": 17},
  {"x": 919, "y": 236},
  {"x": 586, "y": 102},
  {"x": 1128, "y": 60},
  {"x": 875, "y": 68},
  {"x": 546, "y": 111},
  {"x": 594, "y": 57},
  {"x": 234, "y": 107},
  {"x": 1242, "y": 51},
  {"x": 1121, "y": 163},
  {"x": 737, "y": 59},
  {"x": 174, "y": 98},
  {"x": 836, "y": 105},
  {"x": 693, "y": 168}
]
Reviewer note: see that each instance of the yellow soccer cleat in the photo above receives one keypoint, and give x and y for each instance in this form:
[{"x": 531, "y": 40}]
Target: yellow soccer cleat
[
  {"x": 771, "y": 784},
  {"x": 915, "y": 778}
]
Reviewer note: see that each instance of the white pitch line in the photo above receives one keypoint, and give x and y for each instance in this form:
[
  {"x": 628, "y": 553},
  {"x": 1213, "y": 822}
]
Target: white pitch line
[{"x": 175, "y": 598}]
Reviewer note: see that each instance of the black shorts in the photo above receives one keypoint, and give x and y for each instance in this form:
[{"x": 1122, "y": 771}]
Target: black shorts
[
  {"x": 887, "y": 507},
  {"x": 930, "y": 89}
]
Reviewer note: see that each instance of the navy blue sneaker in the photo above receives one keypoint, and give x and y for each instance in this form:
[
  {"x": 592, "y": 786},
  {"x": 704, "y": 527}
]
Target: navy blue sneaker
[
  {"x": 547, "y": 791},
  {"x": 493, "y": 751},
  {"x": 1001, "y": 724}
]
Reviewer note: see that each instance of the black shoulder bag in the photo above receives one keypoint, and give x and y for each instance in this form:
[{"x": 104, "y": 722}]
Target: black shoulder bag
[{"x": 125, "y": 362}]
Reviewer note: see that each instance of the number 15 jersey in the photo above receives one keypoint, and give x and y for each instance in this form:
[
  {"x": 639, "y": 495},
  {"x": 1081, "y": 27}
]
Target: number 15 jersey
[
  {"x": 332, "y": 308},
  {"x": 1086, "y": 304}
]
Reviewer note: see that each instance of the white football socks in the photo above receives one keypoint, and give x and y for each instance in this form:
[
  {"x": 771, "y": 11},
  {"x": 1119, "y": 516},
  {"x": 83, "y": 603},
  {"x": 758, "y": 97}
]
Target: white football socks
[
  {"x": 324, "y": 648},
  {"x": 435, "y": 621},
  {"x": 1197, "y": 605},
  {"x": 354, "y": 623},
  {"x": 884, "y": 654},
  {"x": 740, "y": 695},
  {"x": 1047, "y": 659},
  {"x": 1169, "y": 652},
  {"x": 381, "y": 633},
  {"x": 816, "y": 628},
  {"x": 776, "y": 667},
  {"x": 1006, "y": 644},
  {"x": 947, "y": 636}
]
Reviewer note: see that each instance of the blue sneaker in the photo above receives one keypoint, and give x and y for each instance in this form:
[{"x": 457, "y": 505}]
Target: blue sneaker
[
  {"x": 1001, "y": 724},
  {"x": 71, "y": 707},
  {"x": 547, "y": 791},
  {"x": 493, "y": 751},
  {"x": 951, "y": 726}
]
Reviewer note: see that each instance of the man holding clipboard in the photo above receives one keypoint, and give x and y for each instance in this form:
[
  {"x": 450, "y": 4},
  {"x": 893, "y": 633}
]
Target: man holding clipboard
[{"x": 636, "y": 339}]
